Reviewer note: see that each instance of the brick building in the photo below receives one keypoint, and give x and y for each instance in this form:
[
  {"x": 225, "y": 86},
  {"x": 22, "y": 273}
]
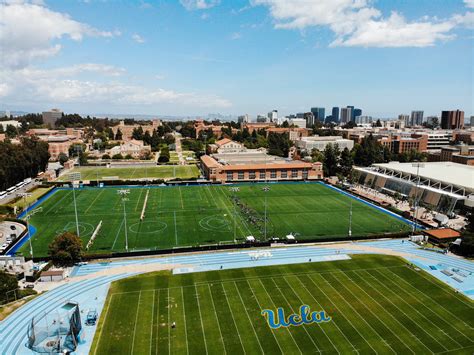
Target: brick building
[{"x": 127, "y": 130}]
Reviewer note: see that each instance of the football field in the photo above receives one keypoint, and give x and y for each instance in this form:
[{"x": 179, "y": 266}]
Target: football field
[
  {"x": 377, "y": 304},
  {"x": 139, "y": 172},
  {"x": 196, "y": 215}
]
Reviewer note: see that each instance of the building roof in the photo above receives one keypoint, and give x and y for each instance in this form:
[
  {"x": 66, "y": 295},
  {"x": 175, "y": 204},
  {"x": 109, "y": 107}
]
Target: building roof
[
  {"x": 52, "y": 273},
  {"x": 445, "y": 172},
  {"x": 223, "y": 141},
  {"x": 443, "y": 233},
  {"x": 290, "y": 165},
  {"x": 209, "y": 161}
]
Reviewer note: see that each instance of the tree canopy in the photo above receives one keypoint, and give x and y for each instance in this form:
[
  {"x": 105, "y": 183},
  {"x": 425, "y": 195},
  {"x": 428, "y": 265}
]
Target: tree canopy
[{"x": 66, "y": 249}]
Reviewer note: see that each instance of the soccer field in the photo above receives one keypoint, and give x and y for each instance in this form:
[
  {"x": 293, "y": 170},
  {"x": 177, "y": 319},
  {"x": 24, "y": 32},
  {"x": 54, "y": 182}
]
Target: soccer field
[
  {"x": 196, "y": 215},
  {"x": 138, "y": 172},
  {"x": 377, "y": 304}
]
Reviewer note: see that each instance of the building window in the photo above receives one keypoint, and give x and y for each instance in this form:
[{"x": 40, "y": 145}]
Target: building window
[
  {"x": 284, "y": 174},
  {"x": 294, "y": 173},
  {"x": 305, "y": 174},
  {"x": 262, "y": 175},
  {"x": 241, "y": 175},
  {"x": 273, "y": 174},
  {"x": 252, "y": 175},
  {"x": 230, "y": 175}
]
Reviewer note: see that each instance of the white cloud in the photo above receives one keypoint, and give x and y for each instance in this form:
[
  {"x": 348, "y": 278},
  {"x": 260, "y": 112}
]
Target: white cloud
[
  {"x": 358, "y": 23},
  {"x": 28, "y": 32},
  {"x": 469, "y": 3},
  {"x": 199, "y": 4},
  {"x": 235, "y": 36},
  {"x": 137, "y": 38},
  {"x": 66, "y": 85},
  {"x": 205, "y": 16}
]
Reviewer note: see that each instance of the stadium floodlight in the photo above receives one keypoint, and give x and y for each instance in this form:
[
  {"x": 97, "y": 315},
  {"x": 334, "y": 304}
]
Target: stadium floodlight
[
  {"x": 235, "y": 189},
  {"x": 416, "y": 165},
  {"x": 265, "y": 190},
  {"x": 75, "y": 177},
  {"x": 123, "y": 194},
  {"x": 25, "y": 195}
]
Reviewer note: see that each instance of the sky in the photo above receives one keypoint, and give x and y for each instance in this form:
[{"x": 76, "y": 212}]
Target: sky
[{"x": 194, "y": 57}]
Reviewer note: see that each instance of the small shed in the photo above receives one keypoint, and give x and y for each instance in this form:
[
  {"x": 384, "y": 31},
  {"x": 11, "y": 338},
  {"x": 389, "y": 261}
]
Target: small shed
[
  {"x": 52, "y": 275},
  {"x": 442, "y": 235}
]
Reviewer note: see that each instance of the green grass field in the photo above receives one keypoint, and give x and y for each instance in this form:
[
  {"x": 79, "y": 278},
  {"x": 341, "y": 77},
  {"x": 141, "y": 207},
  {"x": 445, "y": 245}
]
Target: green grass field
[
  {"x": 196, "y": 215},
  {"x": 377, "y": 304},
  {"x": 130, "y": 173}
]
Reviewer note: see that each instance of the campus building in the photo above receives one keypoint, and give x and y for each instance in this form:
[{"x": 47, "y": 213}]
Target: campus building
[
  {"x": 315, "y": 142},
  {"x": 50, "y": 117},
  {"x": 127, "y": 130}
]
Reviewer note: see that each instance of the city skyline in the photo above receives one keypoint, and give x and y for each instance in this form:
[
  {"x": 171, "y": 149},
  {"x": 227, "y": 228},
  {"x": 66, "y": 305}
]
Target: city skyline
[{"x": 198, "y": 57}]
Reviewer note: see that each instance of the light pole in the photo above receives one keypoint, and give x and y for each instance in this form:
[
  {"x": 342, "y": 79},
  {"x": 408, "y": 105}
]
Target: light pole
[
  {"x": 415, "y": 216},
  {"x": 27, "y": 217},
  {"x": 235, "y": 189},
  {"x": 265, "y": 190},
  {"x": 75, "y": 177},
  {"x": 123, "y": 194}
]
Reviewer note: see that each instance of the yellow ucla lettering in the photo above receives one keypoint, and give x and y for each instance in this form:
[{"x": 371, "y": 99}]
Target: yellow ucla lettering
[{"x": 277, "y": 319}]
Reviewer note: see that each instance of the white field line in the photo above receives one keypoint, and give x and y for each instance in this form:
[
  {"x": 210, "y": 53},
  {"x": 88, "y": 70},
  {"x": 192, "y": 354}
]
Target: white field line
[
  {"x": 217, "y": 319},
  {"x": 432, "y": 300},
  {"x": 169, "y": 325},
  {"x": 116, "y": 236},
  {"x": 337, "y": 308},
  {"x": 396, "y": 294},
  {"x": 355, "y": 311},
  {"x": 391, "y": 316},
  {"x": 184, "y": 315},
  {"x": 136, "y": 321},
  {"x": 138, "y": 201},
  {"x": 258, "y": 303},
  {"x": 306, "y": 330},
  {"x": 151, "y": 325},
  {"x": 248, "y": 317},
  {"x": 233, "y": 318},
  {"x": 157, "y": 323},
  {"x": 175, "y": 229},
  {"x": 103, "y": 322},
  {"x": 275, "y": 307},
  {"x": 200, "y": 317},
  {"x": 92, "y": 203}
]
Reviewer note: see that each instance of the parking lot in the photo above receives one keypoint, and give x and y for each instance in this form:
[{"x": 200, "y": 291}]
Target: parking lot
[{"x": 9, "y": 232}]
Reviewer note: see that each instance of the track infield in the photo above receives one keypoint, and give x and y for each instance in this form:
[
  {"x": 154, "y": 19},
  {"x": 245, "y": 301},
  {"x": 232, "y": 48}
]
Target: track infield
[
  {"x": 198, "y": 215},
  {"x": 377, "y": 304}
]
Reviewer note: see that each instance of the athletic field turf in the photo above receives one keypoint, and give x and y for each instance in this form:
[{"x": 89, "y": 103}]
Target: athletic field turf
[
  {"x": 153, "y": 172},
  {"x": 196, "y": 215},
  {"x": 378, "y": 304}
]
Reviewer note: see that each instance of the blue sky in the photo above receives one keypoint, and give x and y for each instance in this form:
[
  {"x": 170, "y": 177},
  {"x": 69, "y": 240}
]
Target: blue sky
[{"x": 233, "y": 57}]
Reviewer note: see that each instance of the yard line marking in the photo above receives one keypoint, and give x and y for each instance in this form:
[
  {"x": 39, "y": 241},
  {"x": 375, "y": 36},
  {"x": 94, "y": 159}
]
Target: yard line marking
[
  {"x": 175, "y": 229},
  {"x": 390, "y": 314},
  {"x": 116, "y": 236},
  {"x": 200, "y": 317},
  {"x": 136, "y": 321},
  {"x": 92, "y": 203},
  {"x": 103, "y": 322},
  {"x": 184, "y": 315},
  {"x": 215, "y": 313},
  {"x": 138, "y": 201},
  {"x": 275, "y": 307},
  {"x": 448, "y": 311},
  {"x": 337, "y": 308},
  {"x": 181, "y": 197},
  {"x": 250, "y": 278},
  {"x": 58, "y": 202},
  {"x": 353, "y": 309},
  {"x": 233, "y": 319},
  {"x": 224, "y": 204},
  {"x": 169, "y": 328},
  {"x": 396, "y": 306},
  {"x": 250, "y": 321},
  {"x": 408, "y": 304},
  {"x": 306, "y": 330},
  {"x": 157, "y": 323},
  {"x": 261, "y": 309},
  {"x": 152, "y": 318}
]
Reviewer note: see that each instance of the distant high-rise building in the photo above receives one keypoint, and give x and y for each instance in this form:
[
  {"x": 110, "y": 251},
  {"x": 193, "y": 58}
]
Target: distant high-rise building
[
  {"x": 243, "y": 119},
  {"x": 355, "y": 113},
  {"x": 452, "y": 119},
  {"x": 405, "y": 119},
  {"x": 416, "y": 118},
  {"x": 432, "y": 121},
  {"x": 300, "y": 115},
  {"x": 50, "y": 117},
  {"x": 346, "y": 115},
  {"x": 319, "y": 113},
  {"x": 273, "y": 116},
  {"x": 363, "y": 119},
  {"x": 472, "y": 121},
  {"x": 335, "y": 114},
  {"x": 310, "y": 119},
  {"x": 262, "y": 118}
]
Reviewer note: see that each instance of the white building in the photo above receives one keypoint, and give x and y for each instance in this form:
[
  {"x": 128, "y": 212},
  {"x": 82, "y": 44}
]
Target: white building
[
  {"x": 320, "y": 143},
  {"x": 273, "y": 116},
  {"x": 363, "y": 119},
  {"x": 10, "y": 123},
  {"x": 134, "y": 148},
  {"x": 298, "y": 122}
]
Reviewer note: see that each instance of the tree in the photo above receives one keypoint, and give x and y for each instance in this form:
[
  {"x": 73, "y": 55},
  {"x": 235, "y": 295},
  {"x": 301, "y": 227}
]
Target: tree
[
  {"x": 8, "y": 283},
  {"x": 118, "y": 135},
  {"x": 278, "y": 144},
  {"x": 105, "y": 156},
  {"x": 117, "y": 156},
  {"x": 138, "y": 133},
  {"x": 164, "y": 155},
  {"x": 128, "y": 157},
  {"x": 378, "y": 123},
  {"x": 66, "y": 249},
  {"x": 316, "y": 155},
  {"x": 346, "y": 162},
  {"x": 331, "y": 159},
  {"x": 62, "y": 158},
  {"x": 11, "y": 131}
]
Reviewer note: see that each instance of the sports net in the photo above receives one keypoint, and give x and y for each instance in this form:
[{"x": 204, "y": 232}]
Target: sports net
[{"x": 56, "y": 332}]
